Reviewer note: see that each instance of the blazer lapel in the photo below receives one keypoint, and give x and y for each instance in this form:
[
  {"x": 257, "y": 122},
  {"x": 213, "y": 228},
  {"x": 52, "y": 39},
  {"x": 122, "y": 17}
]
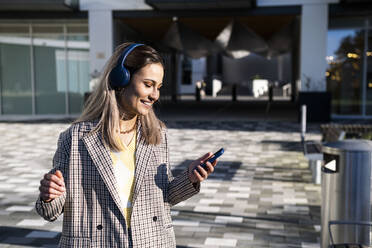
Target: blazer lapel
[
  {"x": 102, "y": 159},
  {"x": 143, "y": 156}
]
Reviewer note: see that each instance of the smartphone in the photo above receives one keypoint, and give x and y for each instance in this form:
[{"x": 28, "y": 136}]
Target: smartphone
[{"x": 212, "y": 159}]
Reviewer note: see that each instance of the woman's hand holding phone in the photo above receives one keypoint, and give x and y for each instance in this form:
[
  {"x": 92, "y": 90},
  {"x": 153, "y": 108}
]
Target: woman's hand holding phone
[{"x": 200, "y": 169}]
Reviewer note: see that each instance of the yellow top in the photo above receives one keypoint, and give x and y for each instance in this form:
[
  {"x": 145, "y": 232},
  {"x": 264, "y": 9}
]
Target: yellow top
[{"x": 124, "y": 165}]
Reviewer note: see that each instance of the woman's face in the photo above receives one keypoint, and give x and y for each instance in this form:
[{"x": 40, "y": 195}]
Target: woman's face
[{"x": 143, "y": 90}]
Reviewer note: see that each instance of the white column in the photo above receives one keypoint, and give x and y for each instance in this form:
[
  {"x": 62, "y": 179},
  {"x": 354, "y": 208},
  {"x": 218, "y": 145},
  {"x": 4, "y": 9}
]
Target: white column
[
  {"x": 313, "y": 65},
  {"x": 100, "y": 38}
]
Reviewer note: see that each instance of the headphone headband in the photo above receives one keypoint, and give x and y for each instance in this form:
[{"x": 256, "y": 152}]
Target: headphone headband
[
  {"x": 119, "y": 75},
  {"x": 127, "y": 51}
]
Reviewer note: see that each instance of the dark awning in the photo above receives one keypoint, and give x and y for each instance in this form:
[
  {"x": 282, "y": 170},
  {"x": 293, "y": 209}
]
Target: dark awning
[
  {"x": 39, "y": 5},
  {"x": 239, "y": 41},
  {"x": 200, "y": 5},
  {"x": 187, "y": 41},
  {"x": 355, "y": 1}
]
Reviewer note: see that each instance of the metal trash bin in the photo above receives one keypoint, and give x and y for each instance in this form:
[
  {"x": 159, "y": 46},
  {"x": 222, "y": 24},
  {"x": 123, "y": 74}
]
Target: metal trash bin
[{"x": 346, "y": 193}]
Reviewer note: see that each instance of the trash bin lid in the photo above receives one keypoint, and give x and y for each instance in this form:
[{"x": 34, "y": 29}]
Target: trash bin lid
[{"x": 348, "y": 145}]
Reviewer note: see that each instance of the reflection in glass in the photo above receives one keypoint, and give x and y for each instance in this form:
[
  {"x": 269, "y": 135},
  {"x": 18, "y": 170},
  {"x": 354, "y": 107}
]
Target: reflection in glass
[
  {"x": 369, "y": 74},
  {"x": 59, "y": 64},
  {"x": 344, "y": 72},
  {"x": 55, "y": 76},
  {"x": 50, "y": 99},
  {"x": 78, "y": 70},
  {"x": 15, "y": 72}
]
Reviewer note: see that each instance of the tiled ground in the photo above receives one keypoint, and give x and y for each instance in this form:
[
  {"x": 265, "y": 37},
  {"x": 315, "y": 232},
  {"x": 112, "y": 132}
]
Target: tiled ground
[{"x": 259, "y": 196}]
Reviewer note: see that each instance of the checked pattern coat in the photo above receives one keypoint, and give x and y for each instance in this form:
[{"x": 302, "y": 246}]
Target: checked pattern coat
[{"x": 92, "y": 216}]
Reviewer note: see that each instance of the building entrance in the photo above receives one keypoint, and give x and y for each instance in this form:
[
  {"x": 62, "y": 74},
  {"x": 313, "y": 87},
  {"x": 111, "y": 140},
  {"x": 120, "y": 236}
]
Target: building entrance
[{"x": 245, "y": 55}]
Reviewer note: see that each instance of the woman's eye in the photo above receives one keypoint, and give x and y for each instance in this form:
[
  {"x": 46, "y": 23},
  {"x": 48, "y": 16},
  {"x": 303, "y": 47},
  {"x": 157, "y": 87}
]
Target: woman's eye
[{"x": 148, "y": 85}]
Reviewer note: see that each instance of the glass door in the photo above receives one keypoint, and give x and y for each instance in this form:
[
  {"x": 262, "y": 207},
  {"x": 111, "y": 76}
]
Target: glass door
[
  {"x": 48, "y": 40},
  {"x": 345, "y": 70},
  {"x": 15, "y": 70},
  {"x": 369, "y": 73},
  {"x": 77, "y": 66}
]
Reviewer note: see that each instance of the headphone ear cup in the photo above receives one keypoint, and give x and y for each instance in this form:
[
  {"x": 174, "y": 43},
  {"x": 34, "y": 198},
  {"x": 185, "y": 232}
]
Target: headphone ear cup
[
  {"x": 120, "y": 76},
  {"x": 126, "y": 77},
  {"x": 116, "y": 77}
]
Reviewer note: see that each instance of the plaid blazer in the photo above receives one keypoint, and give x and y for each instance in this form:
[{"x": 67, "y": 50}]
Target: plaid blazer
[{"x": 92, "y": 216}]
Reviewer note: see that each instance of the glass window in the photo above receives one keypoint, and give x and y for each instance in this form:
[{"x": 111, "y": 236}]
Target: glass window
[
  {"x": 345, "y": 70},
  {"x": 47, "y": 47},
  {"x": 186, "y": 70},
  {"x": 15, "y": 70},
  {"x": 47, "y": 29},
  {"x": 60, "y": 66},
  {"x": 369, "y": 74},
  {"x": 75, "y": 29},
  {"x": 78, "y": 67},
  {"x": 346, "y": 23}
]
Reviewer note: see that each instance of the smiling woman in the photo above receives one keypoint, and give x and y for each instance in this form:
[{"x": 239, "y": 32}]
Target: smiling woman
[
  {"x": 121, "y": 95},
  {"x": 111, "y": 175},
  {"x": 143, "y": 92}
]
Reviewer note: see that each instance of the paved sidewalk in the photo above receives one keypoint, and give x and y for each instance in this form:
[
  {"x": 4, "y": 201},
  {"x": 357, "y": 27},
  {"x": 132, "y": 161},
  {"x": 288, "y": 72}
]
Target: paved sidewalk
[{"x": 259, "y": 196}]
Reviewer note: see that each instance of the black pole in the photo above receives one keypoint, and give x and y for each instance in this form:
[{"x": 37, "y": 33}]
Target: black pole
[
  {"x": 234, "y": 92},
  {"x": 271, "y": 92},
  {"x": 197, "y": 93}
]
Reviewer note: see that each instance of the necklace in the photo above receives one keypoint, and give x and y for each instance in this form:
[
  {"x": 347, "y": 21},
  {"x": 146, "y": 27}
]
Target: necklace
[{"x": 130, "y": 130}]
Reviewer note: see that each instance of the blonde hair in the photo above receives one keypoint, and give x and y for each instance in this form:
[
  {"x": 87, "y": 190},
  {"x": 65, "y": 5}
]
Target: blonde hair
[{"x": 102, "y": 104}]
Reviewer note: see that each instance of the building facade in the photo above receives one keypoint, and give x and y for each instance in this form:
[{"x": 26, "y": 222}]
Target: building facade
[{"x": 49, "y": 54}]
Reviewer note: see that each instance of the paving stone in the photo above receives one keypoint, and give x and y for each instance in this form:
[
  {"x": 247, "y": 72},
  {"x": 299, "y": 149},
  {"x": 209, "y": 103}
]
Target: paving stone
[
  {"x": 185, "y": 223},
  {"x": 207, "y": 209},
  {"x": 239, "y": 236},
  {"x": 260, "y": 195},
  {"x": 19, "y": 208},
  {"x": 221, "y": 242},
  {"x": 228, "y": 219},
  {"x": 28, "y": 222}
]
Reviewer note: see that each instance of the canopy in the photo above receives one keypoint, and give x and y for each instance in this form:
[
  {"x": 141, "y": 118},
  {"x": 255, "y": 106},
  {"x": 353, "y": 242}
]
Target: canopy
[
  {"x": 281, "y": 41},
  {"x": 239, "y": 41},
  {"x": 187, "y": 41}
]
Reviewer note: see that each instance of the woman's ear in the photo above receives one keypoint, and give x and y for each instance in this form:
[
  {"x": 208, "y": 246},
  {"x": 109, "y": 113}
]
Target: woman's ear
[{"x": 119, "y": 92}]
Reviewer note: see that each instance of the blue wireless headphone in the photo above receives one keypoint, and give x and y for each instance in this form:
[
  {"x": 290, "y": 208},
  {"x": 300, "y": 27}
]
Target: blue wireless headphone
[{"x": 120, "y": 76}]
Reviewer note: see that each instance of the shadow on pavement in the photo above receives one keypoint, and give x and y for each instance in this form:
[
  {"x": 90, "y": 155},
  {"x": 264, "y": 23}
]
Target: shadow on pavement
[
  {"x": 291, "y": 146},
  {"x": 250, "y": 126},
  {"x": 28, "y": 237},
  {"x": 292, "y": 216},
  {"x": 225, "y": 170}
]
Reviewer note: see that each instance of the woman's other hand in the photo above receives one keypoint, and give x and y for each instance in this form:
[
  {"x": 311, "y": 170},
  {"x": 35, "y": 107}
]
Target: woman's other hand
[
  {"x": 52, "y": 186},
  {"x": 197, "y": 173}
]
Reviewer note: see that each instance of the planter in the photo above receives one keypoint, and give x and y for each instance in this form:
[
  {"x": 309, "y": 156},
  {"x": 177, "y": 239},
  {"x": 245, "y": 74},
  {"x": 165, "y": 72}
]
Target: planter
[{"x": 318, "y": 105}]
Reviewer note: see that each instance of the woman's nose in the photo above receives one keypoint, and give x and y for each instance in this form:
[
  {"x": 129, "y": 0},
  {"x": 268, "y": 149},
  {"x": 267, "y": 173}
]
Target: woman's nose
[{"x": 154, "y": 94}]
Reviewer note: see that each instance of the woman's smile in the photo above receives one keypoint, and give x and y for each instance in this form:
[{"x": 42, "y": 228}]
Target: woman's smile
[
  {"x": 143, "y": 90},
  {"x": 147, "y": 103}
]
